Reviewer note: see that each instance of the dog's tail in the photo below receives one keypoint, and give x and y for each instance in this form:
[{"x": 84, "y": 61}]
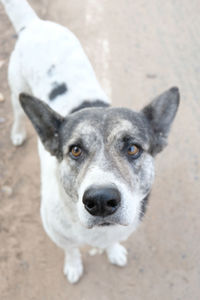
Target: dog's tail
[{"x": 19, "y": 12}]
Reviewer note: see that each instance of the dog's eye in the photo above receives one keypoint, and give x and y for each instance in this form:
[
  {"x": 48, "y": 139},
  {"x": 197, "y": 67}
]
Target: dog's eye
[
  {"x": 76, "y": 151},
  {"x": 133, "y": 151}
]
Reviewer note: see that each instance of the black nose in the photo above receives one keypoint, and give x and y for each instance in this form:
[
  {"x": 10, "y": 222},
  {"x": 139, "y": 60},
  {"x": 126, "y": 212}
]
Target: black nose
[{"x": 102, "y": 201}]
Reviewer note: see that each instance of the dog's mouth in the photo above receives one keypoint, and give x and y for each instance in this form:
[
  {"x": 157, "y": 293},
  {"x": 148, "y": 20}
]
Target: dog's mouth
[
  {"x": 106, "y": 224},
  {"x": 101, "y": 224}
]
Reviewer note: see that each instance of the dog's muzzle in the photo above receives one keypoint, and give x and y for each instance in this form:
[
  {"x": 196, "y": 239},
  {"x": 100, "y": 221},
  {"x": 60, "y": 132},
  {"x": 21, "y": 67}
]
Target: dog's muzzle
[{"x": 101, "y": 201}]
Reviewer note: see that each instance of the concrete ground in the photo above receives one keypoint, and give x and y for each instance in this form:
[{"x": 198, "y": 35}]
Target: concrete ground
[{"x": 138, "y": 49}]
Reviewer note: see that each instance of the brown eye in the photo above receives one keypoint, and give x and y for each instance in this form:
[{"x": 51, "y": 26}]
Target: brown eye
[
  {"x": 133, "y": 150},
  {"x": 76, "y": 151}
]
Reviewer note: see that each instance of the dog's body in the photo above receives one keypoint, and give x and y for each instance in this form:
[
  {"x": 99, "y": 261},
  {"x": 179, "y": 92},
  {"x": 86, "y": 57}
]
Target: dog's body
[{"x": 96, "y": 162}]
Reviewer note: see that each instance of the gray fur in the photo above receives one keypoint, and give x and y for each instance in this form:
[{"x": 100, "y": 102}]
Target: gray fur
[
  {"x": 90, "y": 104},
  {"x": 57, "y": 90},
  {"x": 46, "y": 122},
  {"x": 160, "y": 114}
]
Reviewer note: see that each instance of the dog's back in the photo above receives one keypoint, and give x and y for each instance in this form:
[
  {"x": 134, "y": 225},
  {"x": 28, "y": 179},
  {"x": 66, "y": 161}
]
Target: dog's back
[{"x": 50, "y": 60}]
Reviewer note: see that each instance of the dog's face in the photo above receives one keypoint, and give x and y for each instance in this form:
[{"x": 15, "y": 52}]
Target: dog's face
[
  {"x": 106, "y": 166},
  {"x": 105, "y": 155}
]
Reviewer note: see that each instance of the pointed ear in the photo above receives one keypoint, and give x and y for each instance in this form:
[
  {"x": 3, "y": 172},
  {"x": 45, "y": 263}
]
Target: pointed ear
[
  {"x": 160, "y": 114},
  {"x": 45, "y": 121}
]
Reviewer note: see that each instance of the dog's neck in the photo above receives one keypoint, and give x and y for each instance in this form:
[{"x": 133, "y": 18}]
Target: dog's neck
[{"x": 90, "y": 104}]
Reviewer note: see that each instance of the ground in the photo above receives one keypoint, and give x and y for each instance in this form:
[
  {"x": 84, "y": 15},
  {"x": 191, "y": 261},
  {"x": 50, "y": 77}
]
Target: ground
[{"x": 138, "y": 49}]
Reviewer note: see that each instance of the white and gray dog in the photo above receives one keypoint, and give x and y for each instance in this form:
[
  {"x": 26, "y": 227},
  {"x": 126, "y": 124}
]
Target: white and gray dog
[{"x": 97, "y": 162}]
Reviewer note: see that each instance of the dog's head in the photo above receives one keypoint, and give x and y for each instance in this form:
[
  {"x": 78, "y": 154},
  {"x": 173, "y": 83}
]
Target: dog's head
[{"x": 105, "y": 155}]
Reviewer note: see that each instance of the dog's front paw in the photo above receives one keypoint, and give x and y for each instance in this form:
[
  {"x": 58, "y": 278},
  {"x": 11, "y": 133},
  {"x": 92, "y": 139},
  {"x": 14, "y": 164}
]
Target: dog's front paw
[
  {"x": 117, "y": 255},
  {"x": 73, "y": 267},
  {"x": 73, "y": 273}
]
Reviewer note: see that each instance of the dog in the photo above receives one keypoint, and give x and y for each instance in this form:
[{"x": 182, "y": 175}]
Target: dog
[{"x": 97, "y": 162}]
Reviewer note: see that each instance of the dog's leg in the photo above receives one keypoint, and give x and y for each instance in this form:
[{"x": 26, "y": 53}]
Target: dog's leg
[
  {"x": 73, "y": 267},
  {"x": 117, "y": 254},
  {"x": 18, "y": 132},
  {"x": 17, "y": 85}
]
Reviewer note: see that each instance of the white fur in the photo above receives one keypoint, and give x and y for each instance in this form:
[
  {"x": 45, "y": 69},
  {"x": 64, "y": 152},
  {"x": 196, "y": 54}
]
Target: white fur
[{"x": 42, "y": 45}]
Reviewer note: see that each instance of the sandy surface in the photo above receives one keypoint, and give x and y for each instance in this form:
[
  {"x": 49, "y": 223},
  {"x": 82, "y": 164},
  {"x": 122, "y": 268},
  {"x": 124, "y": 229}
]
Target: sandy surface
[{"x": 138, "y": 49}]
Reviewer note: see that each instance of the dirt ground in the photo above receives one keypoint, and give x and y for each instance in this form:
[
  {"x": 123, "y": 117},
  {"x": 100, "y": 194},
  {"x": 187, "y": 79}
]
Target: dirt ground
[{"x": 138, "y": 49}]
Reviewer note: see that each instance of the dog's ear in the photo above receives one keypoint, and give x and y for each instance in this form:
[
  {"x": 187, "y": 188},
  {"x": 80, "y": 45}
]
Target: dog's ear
[
  {"x": 160, "y": 114},
  {"x": 45, "y": 121}
]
